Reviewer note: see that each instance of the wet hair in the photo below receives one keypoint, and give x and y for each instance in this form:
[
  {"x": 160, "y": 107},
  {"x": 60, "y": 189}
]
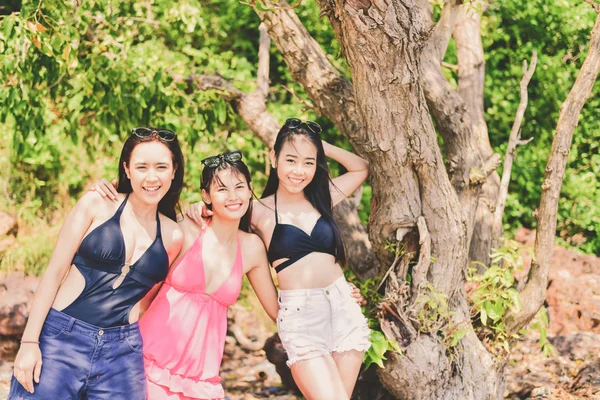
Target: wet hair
[
  {"x": 317, "y": 192},
  {"x": 169, "y": 204},
  {"x": 211, "y": 175}
]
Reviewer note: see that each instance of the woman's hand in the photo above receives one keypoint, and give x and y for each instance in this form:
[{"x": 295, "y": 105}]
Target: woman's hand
[
  {"x": 105, "y": 188},
  {"x": 356, "y": 295},
  {"x": 199, "y": 213},
  {"x": 326, "y": 148},
  {"x": 28, "y": 365}
]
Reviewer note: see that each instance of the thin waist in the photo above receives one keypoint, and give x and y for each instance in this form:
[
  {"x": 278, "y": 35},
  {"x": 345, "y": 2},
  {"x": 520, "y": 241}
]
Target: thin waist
[
  {"x": 338, "y": 287},
  {"x": 61, "y": 320}
]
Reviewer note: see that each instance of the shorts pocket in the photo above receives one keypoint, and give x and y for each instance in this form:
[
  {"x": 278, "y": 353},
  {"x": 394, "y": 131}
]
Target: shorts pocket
[
  {"x": 50, "y": 331},
  {"x": 290, "y": 313},
  {"x": 134, "y": 342}
]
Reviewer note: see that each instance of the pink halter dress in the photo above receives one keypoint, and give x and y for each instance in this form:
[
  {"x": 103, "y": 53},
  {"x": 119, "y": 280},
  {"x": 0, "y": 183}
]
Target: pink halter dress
[{"x": 184, "y": 330}]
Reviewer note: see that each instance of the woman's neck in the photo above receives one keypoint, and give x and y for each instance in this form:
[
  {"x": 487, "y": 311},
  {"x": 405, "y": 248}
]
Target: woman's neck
[
  {"x": 142, "y": 211},
  {"x": 290, "y": 198},
  {"x": 224, "y": 230}
]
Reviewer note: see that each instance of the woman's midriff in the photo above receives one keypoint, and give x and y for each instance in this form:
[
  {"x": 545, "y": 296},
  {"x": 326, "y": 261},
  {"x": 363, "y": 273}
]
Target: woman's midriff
[{"x": 316, "y": 270}]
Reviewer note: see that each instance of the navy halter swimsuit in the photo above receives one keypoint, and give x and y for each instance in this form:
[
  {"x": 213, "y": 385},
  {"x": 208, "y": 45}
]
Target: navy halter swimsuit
[
  {"x": 100, "y": 259},
  {"x": 293, "y": 243}
]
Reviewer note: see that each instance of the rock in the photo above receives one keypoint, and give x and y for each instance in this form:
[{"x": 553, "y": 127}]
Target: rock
[
  {"x": 276, "y": 355},
  {"x": 16, "y": 294},
  {"x": 580, "y": 346},
  {"x": 573, "y": 297},
  {"x": 588, "y": 376},
  {"x": 8, "y": 224},
  {"x": 8, "y": 228}
]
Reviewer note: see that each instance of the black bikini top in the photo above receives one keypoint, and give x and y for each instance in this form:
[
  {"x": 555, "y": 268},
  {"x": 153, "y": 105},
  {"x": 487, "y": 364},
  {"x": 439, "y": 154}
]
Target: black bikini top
[
  {"x": 293, "y": 243},
  {"x": 101, "y": 260}
]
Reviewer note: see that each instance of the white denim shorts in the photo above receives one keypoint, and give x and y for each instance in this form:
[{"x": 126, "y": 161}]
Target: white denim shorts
[{"x": 316, "y": 322}]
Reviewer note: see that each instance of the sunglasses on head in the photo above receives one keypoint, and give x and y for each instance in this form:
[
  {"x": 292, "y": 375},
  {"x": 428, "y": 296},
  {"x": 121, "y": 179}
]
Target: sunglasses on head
[
  {"x": 293, "y": 123},
  {"x": 163, "y": 134},
  {"x": 215, "y": 161}
]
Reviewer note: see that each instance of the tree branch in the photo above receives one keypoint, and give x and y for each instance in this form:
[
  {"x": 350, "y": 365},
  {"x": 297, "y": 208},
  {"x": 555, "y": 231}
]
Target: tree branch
[
  {"x": 471, "y": 76},
  {"x": 330, "y": 91},
  {"x": 442, "y": 32},
  {"x": 513, "y": 141},
  {"x": 471, "y": 71},
  {"x": 593, "y": 4},
  {"x": 534, "y": 292},
  {"x": 262, "y": 80}
]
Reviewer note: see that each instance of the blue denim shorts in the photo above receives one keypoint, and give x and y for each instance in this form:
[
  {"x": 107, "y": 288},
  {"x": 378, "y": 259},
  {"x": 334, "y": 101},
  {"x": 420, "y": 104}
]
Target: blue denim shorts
[{"x": 83, "y": 361}]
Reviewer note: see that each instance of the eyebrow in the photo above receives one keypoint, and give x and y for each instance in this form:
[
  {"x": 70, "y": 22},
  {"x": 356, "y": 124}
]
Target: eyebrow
[
  {"x": 146, "y": 163},
  {"x": 295, "y": 156}
]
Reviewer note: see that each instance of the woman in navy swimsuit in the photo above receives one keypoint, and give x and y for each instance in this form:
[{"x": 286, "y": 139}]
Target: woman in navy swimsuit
[{"x": 108, "y": 257}]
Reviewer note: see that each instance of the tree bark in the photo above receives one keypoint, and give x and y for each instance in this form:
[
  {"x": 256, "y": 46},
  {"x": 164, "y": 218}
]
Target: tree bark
[
  {"x": 470, "y": 159},
  {"x": 534, "y": 292},
  {"x": 471, "y": 76},
  {"x": 382, "y": 42}
]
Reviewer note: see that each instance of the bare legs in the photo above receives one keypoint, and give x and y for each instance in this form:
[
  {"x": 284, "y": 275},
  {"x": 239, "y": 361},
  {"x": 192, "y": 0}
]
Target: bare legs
[{"x": 330, "y": 377}]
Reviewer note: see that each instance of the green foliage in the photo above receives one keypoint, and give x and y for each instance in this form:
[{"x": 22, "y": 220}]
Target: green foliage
[
  {"x": 540, "y": 323},
  {"x": 32, "y": 252},
  {"x": 559, "y": 31},
  {"x": 435, "y": 318},
  {"x": 494, "y": 295},
  {"x": 379, "y": 346}
]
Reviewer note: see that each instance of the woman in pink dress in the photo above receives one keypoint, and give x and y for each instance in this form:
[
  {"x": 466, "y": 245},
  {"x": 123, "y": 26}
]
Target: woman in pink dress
[{"x": 185, "y": 326}]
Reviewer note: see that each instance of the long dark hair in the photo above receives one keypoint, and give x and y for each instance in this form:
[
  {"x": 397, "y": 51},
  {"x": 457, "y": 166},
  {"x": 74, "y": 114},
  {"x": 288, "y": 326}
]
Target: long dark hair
[
  {"x": 317, "y": 192},
  {"x": 210, "y": 174},
  {"x": 169, "y": 204}
]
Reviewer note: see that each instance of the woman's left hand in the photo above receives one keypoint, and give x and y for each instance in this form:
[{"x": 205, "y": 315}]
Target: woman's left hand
[{"x": 356, "y": 295}]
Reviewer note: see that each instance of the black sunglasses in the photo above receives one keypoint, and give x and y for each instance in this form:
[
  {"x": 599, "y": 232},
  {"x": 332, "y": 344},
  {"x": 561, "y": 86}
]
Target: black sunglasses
[
  {"x": 215, "y": 161},
  {"x": 163, "y": 134},
  {"x": 293, "y": 123}
]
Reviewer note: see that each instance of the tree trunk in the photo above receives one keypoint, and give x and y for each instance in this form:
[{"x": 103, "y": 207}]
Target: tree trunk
[
  {"x": 382, "y": 43},
  {"x": 471, "y": 76}
]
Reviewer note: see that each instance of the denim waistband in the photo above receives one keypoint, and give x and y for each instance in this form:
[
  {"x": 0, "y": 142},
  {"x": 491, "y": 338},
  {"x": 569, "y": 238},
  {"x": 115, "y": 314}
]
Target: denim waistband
[
  {"x": 339, "y": 287},
  {"x": 61, "y": 320}
]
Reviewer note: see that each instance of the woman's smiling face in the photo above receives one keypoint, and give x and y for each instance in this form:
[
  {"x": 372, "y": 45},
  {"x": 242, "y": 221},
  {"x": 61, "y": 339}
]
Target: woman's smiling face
[
  {"x": 296, "y": 164},
  {"x": 229, "y": 194},
  {"x": 150, "y": 170}
]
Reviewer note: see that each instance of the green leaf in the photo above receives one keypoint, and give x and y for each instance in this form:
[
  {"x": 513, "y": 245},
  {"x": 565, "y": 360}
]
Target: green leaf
[
  {"x": 458, "y": 335},
  {"x": 75, "y": 102},
  {"x": 515, "y": 299},
  {"x": 9, "y": 22},
  {"x": 379, "y": 346},
  {"x": 221, "y": 112},
  {"x": 483, "y": 316},
  {"x": 394, "y": 345},
  {"x": 494, "y": 310}
]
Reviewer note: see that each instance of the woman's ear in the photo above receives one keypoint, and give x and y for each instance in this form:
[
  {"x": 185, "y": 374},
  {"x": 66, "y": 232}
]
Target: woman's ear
[
  {"x": 273, "y": 159},
  {"x": 126, "y": 170},
  {"x": 205, "y": 197}
]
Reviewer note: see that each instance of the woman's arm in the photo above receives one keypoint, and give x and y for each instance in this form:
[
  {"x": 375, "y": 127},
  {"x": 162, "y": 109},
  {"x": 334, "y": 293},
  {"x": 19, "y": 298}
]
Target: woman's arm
[
  {"x": 260, "y": 278},
  {"x": 28, "y": 362},
  {"x": 358, "y": 171},
  {"x": 173, "y": 238}
]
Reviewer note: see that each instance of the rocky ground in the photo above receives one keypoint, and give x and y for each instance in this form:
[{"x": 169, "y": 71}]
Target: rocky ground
[{"x": 573, "y": 306}]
